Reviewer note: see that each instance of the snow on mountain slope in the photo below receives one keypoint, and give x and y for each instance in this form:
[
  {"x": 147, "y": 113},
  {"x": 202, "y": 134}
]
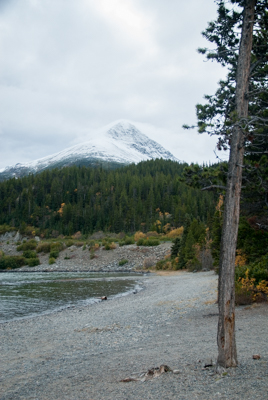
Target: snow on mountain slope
[{"x": 120, "y": 142}]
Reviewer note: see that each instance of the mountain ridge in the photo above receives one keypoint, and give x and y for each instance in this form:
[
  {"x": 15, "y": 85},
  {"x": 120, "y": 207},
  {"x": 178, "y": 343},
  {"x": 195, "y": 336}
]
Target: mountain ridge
[{"x": 119, "y": 143}]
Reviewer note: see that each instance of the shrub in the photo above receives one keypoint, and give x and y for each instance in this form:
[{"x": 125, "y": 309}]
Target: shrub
[
  {"x": 175, "y": 233},
  {"x": 123, "y": 262},
  {"x": 56, "y": 246},
  {"x": 30, "y": 245},
  {"x": 12, "y": 262},
  {"x": 139, "y": 235},
  {"x": 148, "y": 242},
  {"x": 43, "y": 247},
  {"x": 165, "y": 265},
  {"x": 175, "y": 248},
  {"x": 152, "y": 234},
  {"x": 51, "y": 260},
  {"x": 29, "y": 254},
  {"x": 69, "y": 243},
  {"x": 257, "y": 270},
  {"x": 251, "y": 290},
  {"x": 84, "y": 247},
  {"x": 54, "y": 254},
  {"x": 79, "y": 244},
  {"x": 92, "y": 254},
  {"x": 110, "y": 246},
  {"x": 32, "y": 262},
  {"x": 129, "y": 240},
  {"x": 149, "y": 262},
  {"x": 6, "y": 228},
  {"x": 77, "y": 235}
]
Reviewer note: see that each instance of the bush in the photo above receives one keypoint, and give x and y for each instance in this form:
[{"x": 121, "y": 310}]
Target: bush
[
  {"x": 79, "y": 244},
  {"x": 12, "y": 262},
  {"x": 148, "y": 242},
  {"x": 6, "y": 228},
  {"x": 168, "y": 263},
  {"x": 69, "y": 243},
  {"x": 32, "y": 262},
  {"x": 149, "y": 262},
  {"x": 54, "y": 254},
  {"x": 56, "y": 246},
  {"x": 51, "y": 260},
  {"x": 110, "y": 246},
  {"x": 139, "y": 235},
  {"x": 43, "y": 247},
  {"x": 152, "y": 234},
  {"x": 257, "y": 270},
  {"x": 30, "y": 245},
  {"x": 175, "y": 233},
  {"x": 129, "y": 240},
  {"x": 175, "y": 248},
  {"x": 122, "y": 262},
  {"x": 29, "y": 254},
  {"x": 92, "y": 254}
]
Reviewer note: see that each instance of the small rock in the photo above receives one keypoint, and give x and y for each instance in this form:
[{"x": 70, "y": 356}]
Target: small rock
[
  {"x": 176, "y": 371},
  {"x": 256, "y": 356}
]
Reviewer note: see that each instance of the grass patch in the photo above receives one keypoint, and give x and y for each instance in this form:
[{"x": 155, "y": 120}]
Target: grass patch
[{"x": 122, "y": 262}]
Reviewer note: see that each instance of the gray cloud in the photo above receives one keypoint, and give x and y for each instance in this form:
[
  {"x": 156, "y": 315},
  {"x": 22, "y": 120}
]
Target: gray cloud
[{"x": 69, "y": 68}]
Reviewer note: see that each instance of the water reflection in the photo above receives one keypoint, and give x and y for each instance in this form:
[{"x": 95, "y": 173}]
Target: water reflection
[{"x": 30, "y": 294}]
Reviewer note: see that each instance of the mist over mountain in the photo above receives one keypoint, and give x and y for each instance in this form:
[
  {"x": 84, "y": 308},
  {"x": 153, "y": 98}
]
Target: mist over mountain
[{"x": 117, "y": 144}]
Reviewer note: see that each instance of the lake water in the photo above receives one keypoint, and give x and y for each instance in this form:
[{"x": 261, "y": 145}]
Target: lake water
[{"x": 29, "y": 294}]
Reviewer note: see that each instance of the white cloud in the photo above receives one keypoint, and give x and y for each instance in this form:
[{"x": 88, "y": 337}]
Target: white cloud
[{"x": 69, "y": 67}]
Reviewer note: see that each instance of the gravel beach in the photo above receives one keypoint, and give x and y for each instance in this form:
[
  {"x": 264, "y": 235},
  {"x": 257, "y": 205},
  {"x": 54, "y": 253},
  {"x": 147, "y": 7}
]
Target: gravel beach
[{"x": 86, "y": 352}]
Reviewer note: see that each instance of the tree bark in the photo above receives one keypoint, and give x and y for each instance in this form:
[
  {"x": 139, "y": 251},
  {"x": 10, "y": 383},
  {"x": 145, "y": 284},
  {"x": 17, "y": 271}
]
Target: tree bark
[{"x": 227, "y": 355}]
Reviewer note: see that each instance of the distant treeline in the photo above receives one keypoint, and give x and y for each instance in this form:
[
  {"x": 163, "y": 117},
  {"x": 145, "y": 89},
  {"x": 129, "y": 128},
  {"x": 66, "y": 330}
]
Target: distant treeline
[{"x": 147, "y": 196}]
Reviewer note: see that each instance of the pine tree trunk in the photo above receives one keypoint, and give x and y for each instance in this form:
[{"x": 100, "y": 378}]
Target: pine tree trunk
[{"x": 227, "y": 355}]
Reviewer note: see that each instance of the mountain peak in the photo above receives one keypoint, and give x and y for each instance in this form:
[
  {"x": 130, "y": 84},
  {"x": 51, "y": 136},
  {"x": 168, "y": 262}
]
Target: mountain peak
[{"x": 119, "y": 143}]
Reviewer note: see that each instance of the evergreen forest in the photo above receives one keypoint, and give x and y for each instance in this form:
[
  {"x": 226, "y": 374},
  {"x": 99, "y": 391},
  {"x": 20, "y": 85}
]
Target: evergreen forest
[{"x": 145, "y": 197}]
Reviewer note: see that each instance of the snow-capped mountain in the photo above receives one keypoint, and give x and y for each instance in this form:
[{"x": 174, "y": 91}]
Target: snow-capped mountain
[{"x": 114, "y": 145}]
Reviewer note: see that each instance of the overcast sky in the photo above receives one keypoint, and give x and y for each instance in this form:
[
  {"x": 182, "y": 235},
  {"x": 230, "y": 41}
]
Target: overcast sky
[{"x": 69, "y": 67}]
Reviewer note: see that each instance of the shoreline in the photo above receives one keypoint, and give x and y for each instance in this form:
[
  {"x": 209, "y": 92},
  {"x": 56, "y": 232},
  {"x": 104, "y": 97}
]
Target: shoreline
[{"x": 84, "y": 353}]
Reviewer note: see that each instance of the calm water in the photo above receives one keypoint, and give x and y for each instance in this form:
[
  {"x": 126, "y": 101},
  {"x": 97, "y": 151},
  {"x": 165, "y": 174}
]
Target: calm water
[{"x": 29, "y": 294}]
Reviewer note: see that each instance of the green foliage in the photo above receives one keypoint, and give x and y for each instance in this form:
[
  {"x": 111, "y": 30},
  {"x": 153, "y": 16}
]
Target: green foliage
[
  {"x": 148, "y": 242},
  {"x": 54, "y": 254},
  {"x": 69, "y": 243},
  {"x": 51, "y": 260},
  {"x": 175, "y": 247},
  {"x": 194, "y": 234},
  {"x": 57, "y": 246},
  {"x": 167, "y": 264},
  {"x": 6, "y": 228},
  {"x": 252, "y": 240},
  {"x": 92, "y": 254},
  {"x": 32, "y": 262},
  {"x": 30, "y": 245},
  {"x": 11, "y": 262},
  {"x": 122, "y": 262},
  {"x": 257, "y": 270},
  {"x": 88, "y": 200},
  {"x": 29, "y": 254},
  {"x": 43, "y": 247},
  {"x": 127, "y": 241}
]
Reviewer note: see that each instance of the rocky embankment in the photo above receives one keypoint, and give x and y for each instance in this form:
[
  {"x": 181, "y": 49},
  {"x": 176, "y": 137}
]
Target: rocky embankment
[{"x": 75, "y": 258}]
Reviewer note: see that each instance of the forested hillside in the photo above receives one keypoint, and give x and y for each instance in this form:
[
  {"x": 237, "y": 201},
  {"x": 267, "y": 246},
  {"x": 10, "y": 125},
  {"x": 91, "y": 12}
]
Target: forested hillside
[{"x": 147, "y": 196}]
